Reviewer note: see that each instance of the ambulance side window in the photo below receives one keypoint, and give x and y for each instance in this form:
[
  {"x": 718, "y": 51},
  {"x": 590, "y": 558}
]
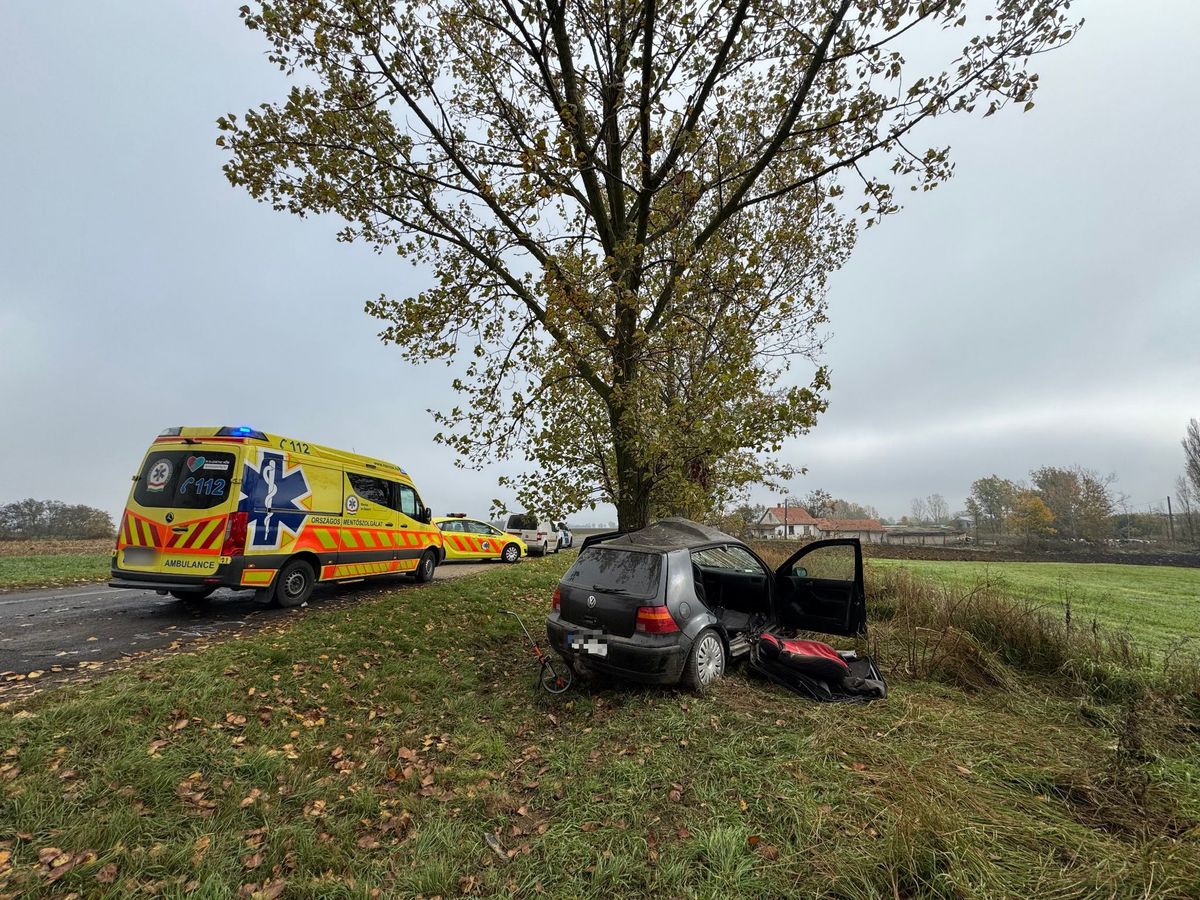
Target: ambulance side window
[
  {"x": 373, "y": 489},
  {"x": 406, "y": 500}
]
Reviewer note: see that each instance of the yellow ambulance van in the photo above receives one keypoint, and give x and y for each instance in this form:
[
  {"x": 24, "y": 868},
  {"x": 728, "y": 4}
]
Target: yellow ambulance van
[{"x": 238, "y": 508}]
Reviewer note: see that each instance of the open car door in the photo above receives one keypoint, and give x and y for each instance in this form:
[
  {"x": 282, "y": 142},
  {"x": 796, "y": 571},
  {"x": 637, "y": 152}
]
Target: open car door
[{"x": 820, "y": 588}]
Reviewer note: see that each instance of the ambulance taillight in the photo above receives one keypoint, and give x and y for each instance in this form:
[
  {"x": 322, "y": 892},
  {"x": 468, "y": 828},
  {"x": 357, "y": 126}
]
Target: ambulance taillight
[{"x": 236, "y": 527}]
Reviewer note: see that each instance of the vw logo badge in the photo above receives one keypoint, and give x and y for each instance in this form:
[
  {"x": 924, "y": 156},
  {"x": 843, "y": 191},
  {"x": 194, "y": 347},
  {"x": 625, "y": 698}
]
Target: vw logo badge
[
  {"x": 170, "y": 518},
  {"x": 591, "y": 602}
]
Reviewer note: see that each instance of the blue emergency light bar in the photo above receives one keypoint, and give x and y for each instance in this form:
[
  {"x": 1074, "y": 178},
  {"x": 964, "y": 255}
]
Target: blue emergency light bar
[{"x": 241, "y": 431}]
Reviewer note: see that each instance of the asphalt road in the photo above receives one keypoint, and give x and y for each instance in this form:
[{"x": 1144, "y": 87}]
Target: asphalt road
[{"x": 55, "y": 630}]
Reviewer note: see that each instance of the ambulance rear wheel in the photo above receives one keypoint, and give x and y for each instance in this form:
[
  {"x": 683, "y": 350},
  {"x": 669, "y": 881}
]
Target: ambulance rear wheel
[
  {"x": 511, "y": 553},
  {"x": 293, "y": 584},
  {"x": 425, "y": 568}
]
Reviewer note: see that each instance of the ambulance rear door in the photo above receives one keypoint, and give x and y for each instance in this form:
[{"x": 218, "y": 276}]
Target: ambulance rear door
[{"x": 176, "y": 517}]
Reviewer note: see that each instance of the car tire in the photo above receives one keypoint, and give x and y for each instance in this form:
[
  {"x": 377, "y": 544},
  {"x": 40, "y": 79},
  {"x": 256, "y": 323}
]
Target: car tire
[
  {"x": 558, "y": 546},
  {"x": 705, "y": 663},
  {"x": 294, "y": 584},
  {"x": 424, "y": 570},
  {"x": 192, "y": 596},
  {"x": 511, "y": 553},
  {"x": 545, "y": 549}
]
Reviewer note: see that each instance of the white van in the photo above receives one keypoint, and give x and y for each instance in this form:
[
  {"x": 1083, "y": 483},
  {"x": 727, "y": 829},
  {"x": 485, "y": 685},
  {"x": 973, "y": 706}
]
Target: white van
[{"x": 540, "y": 536}]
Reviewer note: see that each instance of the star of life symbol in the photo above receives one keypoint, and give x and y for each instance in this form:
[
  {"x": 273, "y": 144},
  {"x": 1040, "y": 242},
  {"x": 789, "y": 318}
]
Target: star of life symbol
[
  {"x": 160, "y": 474},
  {"x": 272, "y": 495}
]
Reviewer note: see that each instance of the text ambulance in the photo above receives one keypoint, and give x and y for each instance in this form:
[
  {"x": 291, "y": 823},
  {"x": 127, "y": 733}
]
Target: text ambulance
[{"x": 238, "y": 508}]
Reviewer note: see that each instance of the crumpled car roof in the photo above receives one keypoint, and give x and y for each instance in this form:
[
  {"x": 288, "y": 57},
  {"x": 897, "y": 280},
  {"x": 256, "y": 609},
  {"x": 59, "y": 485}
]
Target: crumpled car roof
[{"x": 674, "y": 534}]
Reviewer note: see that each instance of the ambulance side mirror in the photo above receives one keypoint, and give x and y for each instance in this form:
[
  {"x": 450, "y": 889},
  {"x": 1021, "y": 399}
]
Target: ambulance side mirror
[{"x": 426, "y": 514}]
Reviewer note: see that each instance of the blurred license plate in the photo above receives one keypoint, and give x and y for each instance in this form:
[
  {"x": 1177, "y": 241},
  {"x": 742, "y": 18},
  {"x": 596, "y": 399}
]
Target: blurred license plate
[
  {"x": 140, "y": 556},
  {"x": 591, "y": 642}
]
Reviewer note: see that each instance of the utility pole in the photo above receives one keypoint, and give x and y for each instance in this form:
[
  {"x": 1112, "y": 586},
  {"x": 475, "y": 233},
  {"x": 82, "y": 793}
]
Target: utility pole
[
  {"x": 1170, "y": 519},
  {"x": 786, "y": 530}
]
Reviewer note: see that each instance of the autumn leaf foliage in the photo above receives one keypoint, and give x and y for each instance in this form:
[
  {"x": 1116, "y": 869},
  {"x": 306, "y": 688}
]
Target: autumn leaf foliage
[{"x": 627, "y": 212}]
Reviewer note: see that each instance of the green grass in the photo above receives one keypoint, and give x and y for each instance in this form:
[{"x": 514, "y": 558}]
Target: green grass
[
  {"x": 375, "y": 748},
  {"x": 1158, "y": 605},
  {"x": 50, "y": 570}
]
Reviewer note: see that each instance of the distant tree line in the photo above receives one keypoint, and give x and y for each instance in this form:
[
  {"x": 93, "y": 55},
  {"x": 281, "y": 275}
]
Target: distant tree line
[
  {"x": 1187, "y": 485},
  {"x": 823, "y": 505},
  {"x": 1071, "y": 503},
  {"x": 30, "y": 519}
]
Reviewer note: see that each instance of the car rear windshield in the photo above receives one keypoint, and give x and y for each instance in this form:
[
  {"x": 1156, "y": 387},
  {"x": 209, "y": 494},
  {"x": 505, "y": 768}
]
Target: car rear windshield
[
  {"x": 629, "y": 572},
  {"x": 185, "y": 479},
  {"x": 522, "y": 522}
]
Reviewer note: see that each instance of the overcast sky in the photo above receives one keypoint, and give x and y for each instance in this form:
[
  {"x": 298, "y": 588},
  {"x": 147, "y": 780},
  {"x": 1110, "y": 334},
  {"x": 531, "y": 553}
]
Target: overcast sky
[{"x": 1041, "y": 308}]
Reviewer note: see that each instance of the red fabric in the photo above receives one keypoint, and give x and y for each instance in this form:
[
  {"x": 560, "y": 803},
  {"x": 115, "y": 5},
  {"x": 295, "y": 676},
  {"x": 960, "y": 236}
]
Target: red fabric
[{"x": 807, "y": 652}]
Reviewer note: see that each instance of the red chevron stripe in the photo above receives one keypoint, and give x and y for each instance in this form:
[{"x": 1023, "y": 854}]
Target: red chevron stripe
[
  {"x": 216, "y": 538},
  {"x": 193, "y": 535}
]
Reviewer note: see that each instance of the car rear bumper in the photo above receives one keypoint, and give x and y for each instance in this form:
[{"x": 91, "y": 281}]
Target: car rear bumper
[{"x": 650, "y": 659}]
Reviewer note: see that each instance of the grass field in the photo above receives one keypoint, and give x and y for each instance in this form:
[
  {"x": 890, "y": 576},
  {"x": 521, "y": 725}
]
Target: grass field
[
  {"x": 398, "y": 748},
  {"x": 54, "y": 569},
  {"x": 1158, "y": 605}
]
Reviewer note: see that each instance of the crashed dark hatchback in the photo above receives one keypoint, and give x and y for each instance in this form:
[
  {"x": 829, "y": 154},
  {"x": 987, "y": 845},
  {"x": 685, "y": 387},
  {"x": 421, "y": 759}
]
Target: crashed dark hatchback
[{"x": 678, "y": 601}]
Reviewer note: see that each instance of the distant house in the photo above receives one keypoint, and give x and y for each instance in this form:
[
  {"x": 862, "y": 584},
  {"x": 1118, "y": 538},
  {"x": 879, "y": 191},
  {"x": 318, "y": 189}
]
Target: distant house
[
  {"x": 869, "y": 531},
  {"x": 785, "y": 522}
]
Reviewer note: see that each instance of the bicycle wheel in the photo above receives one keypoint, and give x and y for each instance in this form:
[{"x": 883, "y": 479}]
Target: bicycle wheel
[{"x": 555, "y": 680}]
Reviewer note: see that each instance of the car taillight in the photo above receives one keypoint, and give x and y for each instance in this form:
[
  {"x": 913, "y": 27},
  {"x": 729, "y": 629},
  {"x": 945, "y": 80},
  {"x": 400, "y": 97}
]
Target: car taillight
[
  {"x": 556, "y": 600},
  {"x": 655, "y": 620},
  {"x": 235, "y": 534}
]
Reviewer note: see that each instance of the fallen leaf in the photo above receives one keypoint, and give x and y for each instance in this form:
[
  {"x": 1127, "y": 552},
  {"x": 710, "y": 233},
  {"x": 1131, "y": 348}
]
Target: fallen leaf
[
  {"x": 107, "y": 873},
  {"x": 200, "y": 847},
  {"x": 48, "y": 853},
  {"x": 254, "y": 794}
]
